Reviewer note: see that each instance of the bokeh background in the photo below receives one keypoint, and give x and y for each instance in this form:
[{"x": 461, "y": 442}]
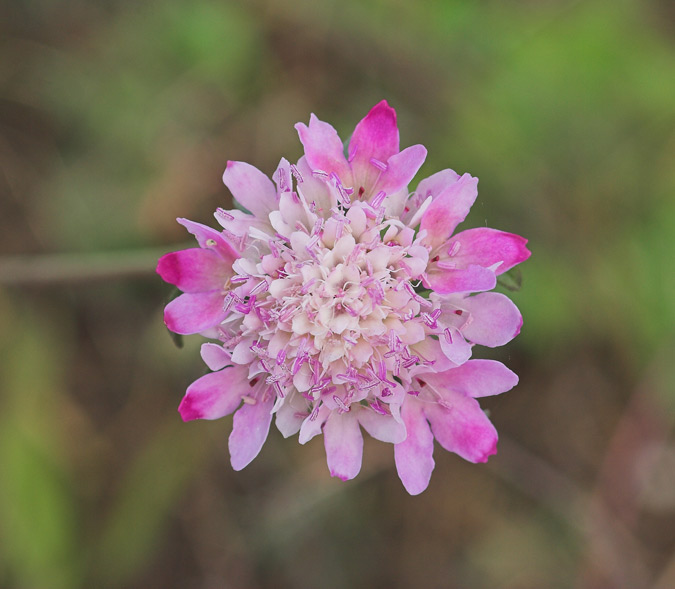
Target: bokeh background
[{"x": 118, "y": 116}]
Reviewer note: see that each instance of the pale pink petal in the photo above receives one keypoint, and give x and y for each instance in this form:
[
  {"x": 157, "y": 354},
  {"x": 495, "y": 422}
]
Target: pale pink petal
[
  {"x": 460, "y": 426},
  {"x": 194, "y": 312},
  {"x": 486, "y": 247},
  {"x": 401, "y": 169},
  {"x": 250, "y": 427},
  {"x": 194, "y": 270},
  {"x": 474, "y": 278},
  {"x": 288, "y": 420},
  {"x": 449, "y": 209},
  {"x": 495, "y": 320},
  {"x": 344, "y": 445},
  {"x": 214, "y": 395},
  {"x": 313, "y": 424},
  {"x": 211, "y": 239},
  {"x": 381, "y": 427},
  {"x": 437, "y": 183},
  {"x": 455, "y": 347},
  {"x": 252, "y": 189},
  {"x": 214, "y": 356},
  {"x": 375, "y": 137},
  {"x": 324, "y": 150},
  {"x": 414, "y": 456},
  {"x": 475, "y": 378}
]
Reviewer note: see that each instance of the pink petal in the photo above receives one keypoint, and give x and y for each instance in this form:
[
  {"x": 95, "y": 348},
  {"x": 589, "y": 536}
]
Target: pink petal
[
  {"x": 252, "y": 189},
  {"x": 288, "y": 420},
  {"x": 381, "y": 427},
  {"x": 214, "y": 356},
  {"x": 194, "y": 270},
  {"x": 344, "y": 445},
  {"x": 210, "y": 239},
  {"x": 313, "y": 424},
  {"x": 324, "y": 150},
  {"x": 495, "y": 320},
  {"x": 194, "y": 312},
  {"x": 436, "y": 183},
  {"x": 250, "y": 427},
  {"x": 414, "y": 456},
  {"x": 449, "y": 209},
  {"x": 460, "y": 426},
  {"x": 214, "y": 395},
  {"x": 376, "y": 136},
  {"x": 401, "y": 169},
  {"x": 486, "y": 247},
  {"x": 459, "y": 350},
  {"x": 472, "y": 279},
  {"x": 475, "y": 378}
]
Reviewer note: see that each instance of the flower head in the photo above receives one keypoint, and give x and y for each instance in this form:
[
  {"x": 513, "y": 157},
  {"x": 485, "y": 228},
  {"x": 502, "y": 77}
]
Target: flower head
[{"x": 340, "y": 301}]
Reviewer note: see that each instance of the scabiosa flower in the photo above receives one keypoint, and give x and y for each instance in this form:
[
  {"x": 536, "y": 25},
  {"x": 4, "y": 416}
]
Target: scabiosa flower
[{"x": 339, "y": 301}]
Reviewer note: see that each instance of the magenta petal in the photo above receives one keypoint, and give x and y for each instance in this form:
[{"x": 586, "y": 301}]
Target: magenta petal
[
  {"x": 449, "y": 209},
  {"x": 375, "y": 137},
  {"x": 214, "y": 395},
  {"x": 210, "y": 239},
  {"x": 252, "y": 189},
  {"x": 194, "y": 312},
  {"x": 475, "y": 378},
  {"x": 472, "y": 279},
  {"x": 381, "y": 427},
  {"x": 194, "y": 270},
  {"x": 323, "y": 149},
  {"x": 460, "y": 426},
  {"x": 414, "y": 456},
  {"x": 344, "y": 445},
  {"x": 401, "y": 169},
  {"x": 485, "y": 247},
  {"x": 250, "y": 427},
  {"x": 495, "y": 320}
]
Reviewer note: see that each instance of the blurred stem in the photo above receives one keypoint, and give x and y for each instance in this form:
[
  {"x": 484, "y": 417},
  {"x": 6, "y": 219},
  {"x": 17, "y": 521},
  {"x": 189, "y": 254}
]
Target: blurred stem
[{"x": 55, "y": 269}]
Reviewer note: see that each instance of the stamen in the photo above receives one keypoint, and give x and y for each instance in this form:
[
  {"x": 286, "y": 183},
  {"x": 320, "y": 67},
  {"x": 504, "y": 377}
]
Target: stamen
[
  {"x": 378, "y": 199},
  {"x": 296, "y": 174},
  {"x": 248, "y": 400},
  {"x": 340, "y": 403},
  {"x": 448, "y": 335},
  {"x": 222, "y": 213},
  {"x": 352, "y": 152},
  {"x": 305, "y": 287},
  {"x": 258, "y": 288},
  {"x": 444, "y": 265},
  {"x": 378, "y": 164},
  {"x": 281, "y": 356},
  {"x": 454, "y": 248}
]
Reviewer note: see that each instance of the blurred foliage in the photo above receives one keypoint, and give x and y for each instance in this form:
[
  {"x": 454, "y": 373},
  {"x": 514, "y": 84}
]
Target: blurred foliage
[{"x": 117, "y": 117}]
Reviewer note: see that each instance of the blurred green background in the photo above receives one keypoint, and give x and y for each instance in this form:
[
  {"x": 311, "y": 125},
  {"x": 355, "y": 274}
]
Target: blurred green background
[{"x": 117, "y": 116}]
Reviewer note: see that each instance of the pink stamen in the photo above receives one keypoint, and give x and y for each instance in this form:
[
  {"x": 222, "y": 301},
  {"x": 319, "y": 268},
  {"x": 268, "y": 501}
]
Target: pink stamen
[
  {"x": 378, "y": 164},
  {"x": 296, "y": 174},
  {"x": 340, "y": 403},
  {"x": 258, "y": 288},
  {"x": 454, "y": 248},
  {"x": 443, "y": 265},
  {"x": 352, "y": 152},
  {"x": 281, "y": 356},
  {"x": 378, "y": 199},
  {"x": 307, "y": 286},
  {"x": 448, "y": 335},
  {"x": 223, "y": 214}
]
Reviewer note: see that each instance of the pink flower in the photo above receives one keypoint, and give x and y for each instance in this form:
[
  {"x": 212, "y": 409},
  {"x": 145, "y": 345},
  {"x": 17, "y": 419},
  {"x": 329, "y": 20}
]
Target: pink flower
[{"x": 341, "y": 302}]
